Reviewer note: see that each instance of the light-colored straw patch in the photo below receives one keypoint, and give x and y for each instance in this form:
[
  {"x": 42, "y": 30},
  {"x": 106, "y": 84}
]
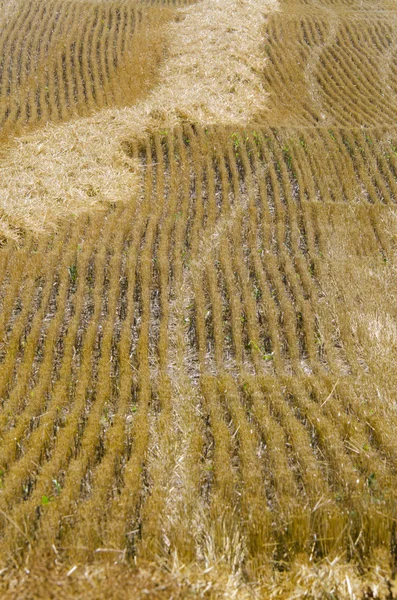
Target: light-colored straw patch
[
  {"x": 332, "y": 579},
  {"x": 211, "y": 75},
  {"x": 64, "y": 170}
]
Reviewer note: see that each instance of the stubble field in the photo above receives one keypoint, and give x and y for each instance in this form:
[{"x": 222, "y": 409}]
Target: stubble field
[{"x": 198, "y": 370}]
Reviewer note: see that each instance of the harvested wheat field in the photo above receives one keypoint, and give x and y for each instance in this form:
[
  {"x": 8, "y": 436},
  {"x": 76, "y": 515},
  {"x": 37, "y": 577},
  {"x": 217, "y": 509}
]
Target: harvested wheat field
[{"x": 198, "y": 299}]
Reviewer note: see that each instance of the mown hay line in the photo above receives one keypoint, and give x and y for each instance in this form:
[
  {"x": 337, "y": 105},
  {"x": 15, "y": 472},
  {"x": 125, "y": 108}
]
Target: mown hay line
[{"x": 180, "y": 489}]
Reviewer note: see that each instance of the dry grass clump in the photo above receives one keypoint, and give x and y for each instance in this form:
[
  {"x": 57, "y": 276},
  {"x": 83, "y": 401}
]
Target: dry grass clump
[
  {"x": 332, "y": 579},
  {"x": 100, "y": 582},
  {"x": 213, "y": 70},
  {"x": 327, "y": 580},
  {"x": 63, "y": 171}
]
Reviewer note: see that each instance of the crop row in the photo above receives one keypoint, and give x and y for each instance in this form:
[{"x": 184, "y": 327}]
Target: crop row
[
  {"x": 62, "y": 59},
  {"x": 195, "y": 361}
]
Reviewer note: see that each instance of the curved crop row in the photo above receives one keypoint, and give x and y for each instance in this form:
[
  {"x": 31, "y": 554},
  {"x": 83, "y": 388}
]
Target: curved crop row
[{"x": 62, "y": 59}]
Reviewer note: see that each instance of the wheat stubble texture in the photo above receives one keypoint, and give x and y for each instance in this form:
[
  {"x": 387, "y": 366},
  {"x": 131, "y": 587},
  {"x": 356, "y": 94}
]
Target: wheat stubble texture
[{"x": 197, "y": 384}]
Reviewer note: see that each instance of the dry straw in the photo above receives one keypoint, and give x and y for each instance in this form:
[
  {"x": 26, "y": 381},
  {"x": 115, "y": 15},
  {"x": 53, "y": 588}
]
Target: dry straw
[
  {"x": 64, "y": 170},
  {"x": 213, "y": 71},
  {"x": 211, "y": 75}
]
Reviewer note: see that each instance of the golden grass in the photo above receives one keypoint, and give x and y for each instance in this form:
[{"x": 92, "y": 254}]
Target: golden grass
[
  {"x": 63, "y": 172},
  {"x": 213, "y": 67},
  {"x": 262, "y": 466},
  {"x": 198, "y": 383},
  {"x": 67, "y": 169},
  {"x": 62, "y": 59}
]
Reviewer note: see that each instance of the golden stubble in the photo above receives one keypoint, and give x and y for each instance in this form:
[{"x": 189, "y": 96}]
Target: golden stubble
[{"x": 211, "y": 74}]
